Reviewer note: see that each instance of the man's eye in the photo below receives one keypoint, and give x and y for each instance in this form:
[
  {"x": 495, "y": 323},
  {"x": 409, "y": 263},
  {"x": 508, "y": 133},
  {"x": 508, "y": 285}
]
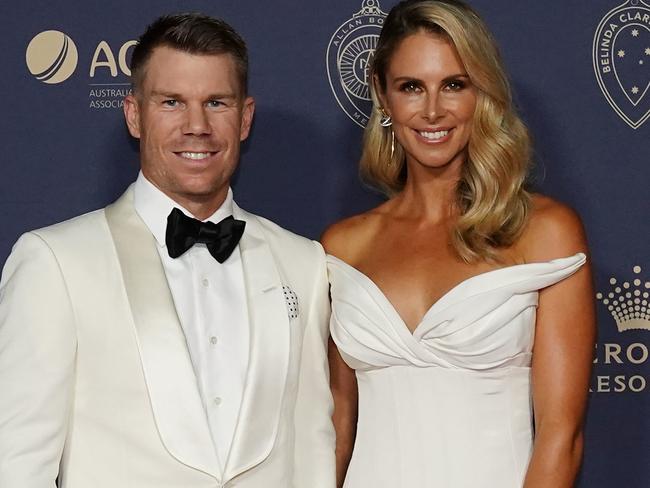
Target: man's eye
[
  {"x": 215, "y": 103},
  {"x": 170, "y": 103}
]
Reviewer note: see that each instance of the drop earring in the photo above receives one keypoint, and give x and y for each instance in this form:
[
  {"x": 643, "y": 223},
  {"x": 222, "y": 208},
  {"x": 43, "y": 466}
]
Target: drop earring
[{"x": 385, "y": 120}]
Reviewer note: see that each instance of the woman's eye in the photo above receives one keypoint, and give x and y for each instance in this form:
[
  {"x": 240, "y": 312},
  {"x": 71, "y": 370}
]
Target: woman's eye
[
  {"x": 455, "y": 85},
  {"x": 410, "y": 87}
]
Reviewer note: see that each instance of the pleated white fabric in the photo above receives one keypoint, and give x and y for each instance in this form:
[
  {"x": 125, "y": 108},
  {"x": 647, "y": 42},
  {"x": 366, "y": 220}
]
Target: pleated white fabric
[{"x": 448, "y": 406}]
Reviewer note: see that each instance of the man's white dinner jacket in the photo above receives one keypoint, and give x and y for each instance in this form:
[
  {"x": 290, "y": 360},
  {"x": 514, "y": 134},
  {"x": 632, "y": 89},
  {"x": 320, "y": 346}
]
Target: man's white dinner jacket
[{"x": 96, "y": 382}]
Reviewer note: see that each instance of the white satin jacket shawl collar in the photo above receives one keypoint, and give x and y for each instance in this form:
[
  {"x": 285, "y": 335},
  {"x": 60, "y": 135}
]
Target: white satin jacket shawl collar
[{"x": 173, "y": 389}]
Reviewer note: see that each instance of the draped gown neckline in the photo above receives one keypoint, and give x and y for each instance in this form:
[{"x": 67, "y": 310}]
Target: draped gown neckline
[{"x": 445, "y": 299}]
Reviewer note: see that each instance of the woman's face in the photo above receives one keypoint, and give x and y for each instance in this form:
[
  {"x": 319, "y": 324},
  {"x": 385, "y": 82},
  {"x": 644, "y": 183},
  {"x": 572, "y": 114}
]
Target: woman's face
[{"x": 431, "y": 101}]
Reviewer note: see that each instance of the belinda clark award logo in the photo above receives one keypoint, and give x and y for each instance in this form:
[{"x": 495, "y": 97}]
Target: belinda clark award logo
[
  {"x": 349, "y": 55},
  {"x": 621, "y": 57}
]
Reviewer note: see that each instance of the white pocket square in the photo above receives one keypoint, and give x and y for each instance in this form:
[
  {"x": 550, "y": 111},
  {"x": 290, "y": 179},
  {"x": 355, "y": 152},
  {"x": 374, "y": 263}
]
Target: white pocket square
[{"x": 291, "y": 299}]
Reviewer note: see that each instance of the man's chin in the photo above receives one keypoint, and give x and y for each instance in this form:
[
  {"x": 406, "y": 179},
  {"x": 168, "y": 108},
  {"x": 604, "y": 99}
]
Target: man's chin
[{"x": 201, "y": 194}]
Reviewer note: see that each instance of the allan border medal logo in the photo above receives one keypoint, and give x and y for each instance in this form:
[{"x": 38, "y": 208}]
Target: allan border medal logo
[
  {"x": 349, "y": 54},
  {"x": 621, "y": 56}
]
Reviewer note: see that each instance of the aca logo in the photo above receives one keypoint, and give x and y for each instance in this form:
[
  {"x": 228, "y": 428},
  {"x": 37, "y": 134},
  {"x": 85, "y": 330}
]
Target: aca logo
[
  {"x": 349, "y": 56},
  {"x": 51, "y": 57},
  {"x": 620, "y": 365},
  {"x": 621, "y": 58}
]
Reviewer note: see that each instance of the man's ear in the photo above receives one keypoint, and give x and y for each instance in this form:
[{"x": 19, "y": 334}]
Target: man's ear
[
  {"x": 248, "y": 110},
  {"x": 132, "y": 115}
]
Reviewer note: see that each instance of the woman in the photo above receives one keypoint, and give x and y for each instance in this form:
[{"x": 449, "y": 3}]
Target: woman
[{"x": 438, "y": 293}]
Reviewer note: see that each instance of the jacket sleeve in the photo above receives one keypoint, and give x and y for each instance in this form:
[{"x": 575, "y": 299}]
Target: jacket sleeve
[
  {"x": 314, "y": 448},
  {"x": 37, "y": 354}
]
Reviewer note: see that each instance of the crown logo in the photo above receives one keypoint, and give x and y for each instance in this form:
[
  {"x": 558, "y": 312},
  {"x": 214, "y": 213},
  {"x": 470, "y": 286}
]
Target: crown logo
[{"x": 628, "y": 302}]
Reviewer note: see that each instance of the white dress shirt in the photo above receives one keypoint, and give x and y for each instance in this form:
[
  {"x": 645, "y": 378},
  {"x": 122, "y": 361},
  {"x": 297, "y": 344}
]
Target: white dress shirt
[{"x": 210, "y": 300}]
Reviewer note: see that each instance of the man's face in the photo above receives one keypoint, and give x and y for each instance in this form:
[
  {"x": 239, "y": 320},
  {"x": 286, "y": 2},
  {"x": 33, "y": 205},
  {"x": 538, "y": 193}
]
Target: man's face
[{"x": 190, "y": 115}]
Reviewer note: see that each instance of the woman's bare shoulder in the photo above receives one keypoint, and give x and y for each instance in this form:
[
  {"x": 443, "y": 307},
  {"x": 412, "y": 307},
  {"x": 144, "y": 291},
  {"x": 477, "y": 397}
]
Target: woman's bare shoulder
[
  {"x": 554, "y": 230},
  {"x": 348, "y": 238}
]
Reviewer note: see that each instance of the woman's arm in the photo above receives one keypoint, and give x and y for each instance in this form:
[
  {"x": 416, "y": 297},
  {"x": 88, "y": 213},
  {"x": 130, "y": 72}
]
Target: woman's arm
[
  {"x": 563, "y": 351},
  {"x": 343, "y": 240},
  {"x": 343, "y": 383}
]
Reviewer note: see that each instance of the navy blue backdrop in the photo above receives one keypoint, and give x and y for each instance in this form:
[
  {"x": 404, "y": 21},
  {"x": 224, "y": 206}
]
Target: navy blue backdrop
[{"x": 581, "y": 72}]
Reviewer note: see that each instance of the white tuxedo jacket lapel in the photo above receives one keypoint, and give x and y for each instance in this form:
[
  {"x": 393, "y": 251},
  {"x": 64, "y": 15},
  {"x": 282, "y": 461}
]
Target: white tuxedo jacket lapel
[
  {"x": 171, "y": 382},
  {"x": 260, "y": 412}
]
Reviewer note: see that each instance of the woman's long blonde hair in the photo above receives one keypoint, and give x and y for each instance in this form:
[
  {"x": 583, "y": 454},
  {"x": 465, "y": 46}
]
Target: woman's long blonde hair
[{"x": 491, "y": 197}]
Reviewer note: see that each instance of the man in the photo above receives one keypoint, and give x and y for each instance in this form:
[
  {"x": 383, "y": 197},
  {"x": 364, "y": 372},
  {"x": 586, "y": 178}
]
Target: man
[{"x": 142, "y": 348}]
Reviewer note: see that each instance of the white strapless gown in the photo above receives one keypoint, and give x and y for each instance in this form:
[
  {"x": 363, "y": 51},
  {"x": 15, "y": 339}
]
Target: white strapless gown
[{"x": 448, "y": 406}]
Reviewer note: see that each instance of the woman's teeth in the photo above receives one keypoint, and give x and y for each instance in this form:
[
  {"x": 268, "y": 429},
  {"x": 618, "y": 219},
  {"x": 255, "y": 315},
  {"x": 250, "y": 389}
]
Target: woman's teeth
[{"x": 434, "y": 136}]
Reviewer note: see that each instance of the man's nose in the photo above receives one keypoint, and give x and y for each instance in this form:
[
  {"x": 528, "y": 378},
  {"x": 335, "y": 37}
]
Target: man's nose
[{"x": 197, "y": 122}]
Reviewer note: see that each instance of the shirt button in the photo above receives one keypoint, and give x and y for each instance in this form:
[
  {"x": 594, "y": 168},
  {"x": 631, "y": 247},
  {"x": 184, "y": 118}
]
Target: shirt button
[
  {"x": 205, "y": 282},
  {"x": 213, "y": 340},
  {"x": 217, "y": 400}
]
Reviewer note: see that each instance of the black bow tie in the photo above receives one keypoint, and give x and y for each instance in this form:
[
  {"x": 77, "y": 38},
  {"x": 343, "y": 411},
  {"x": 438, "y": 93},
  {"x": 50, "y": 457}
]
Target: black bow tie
[{"x": 221, "y": 239}]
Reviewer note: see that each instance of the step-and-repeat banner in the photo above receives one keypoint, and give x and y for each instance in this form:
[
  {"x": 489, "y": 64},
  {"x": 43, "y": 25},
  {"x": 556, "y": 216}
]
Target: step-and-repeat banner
[{"x": 581, "y": 72}]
